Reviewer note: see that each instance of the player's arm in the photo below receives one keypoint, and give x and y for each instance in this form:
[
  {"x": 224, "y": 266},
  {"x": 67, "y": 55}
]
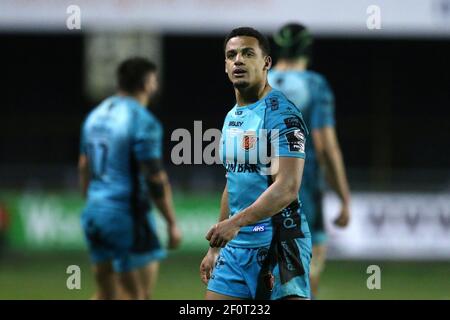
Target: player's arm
[
  {"x": 281, "y": 193},
  {"x": 147, "y": 148},
  {"x": 83, "y": 174},
  {"x": 224, "y": 209},
  {"x": 330, "y": 158},
  {"x": 207, "y": 264},
  {"x": 161, "y": 194},
  {"x": 327, "y": 147}
]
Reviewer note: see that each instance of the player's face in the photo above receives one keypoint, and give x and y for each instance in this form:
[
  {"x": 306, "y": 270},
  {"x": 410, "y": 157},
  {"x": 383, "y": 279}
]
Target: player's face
[
  {"x": 245, "y": 63},
  {"x": 151, "y": 84}
]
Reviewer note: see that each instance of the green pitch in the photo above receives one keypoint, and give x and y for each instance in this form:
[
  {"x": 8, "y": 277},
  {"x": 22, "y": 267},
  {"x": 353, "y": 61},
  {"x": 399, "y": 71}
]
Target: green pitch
[
  {"x": 28, "y": 274},
  {"x": 43, "y": 276}
]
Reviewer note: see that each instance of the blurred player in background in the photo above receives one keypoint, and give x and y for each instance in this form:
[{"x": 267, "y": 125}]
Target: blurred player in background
[
  {"x": 261, "y": 247},
  {"x": 120, "y": 164},
  {"x": 310, "y": 92}
]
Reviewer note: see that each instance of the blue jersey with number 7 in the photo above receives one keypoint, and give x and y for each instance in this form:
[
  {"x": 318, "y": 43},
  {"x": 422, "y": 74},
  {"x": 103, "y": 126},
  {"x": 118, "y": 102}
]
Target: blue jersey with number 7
[{"x": 115, "y": 137}]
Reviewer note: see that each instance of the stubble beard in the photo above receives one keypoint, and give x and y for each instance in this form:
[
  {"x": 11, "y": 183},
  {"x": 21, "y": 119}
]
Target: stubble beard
[{"x": 241, "y": 85}]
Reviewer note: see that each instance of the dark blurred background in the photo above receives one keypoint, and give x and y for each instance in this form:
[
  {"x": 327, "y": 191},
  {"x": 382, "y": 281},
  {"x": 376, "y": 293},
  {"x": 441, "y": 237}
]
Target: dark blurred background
[{"x": 392, "y": 99}]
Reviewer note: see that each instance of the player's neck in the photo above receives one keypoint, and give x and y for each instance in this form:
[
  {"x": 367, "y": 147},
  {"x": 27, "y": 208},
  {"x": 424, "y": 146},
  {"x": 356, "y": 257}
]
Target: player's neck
[
  {"x": 300, "y": 64},
  {"x": 251, "y": 94},
  {"x": 142, "y": 98}
]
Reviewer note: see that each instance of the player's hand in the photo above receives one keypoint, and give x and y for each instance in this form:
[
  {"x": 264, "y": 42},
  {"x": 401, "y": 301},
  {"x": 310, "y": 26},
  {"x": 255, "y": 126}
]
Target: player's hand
[
  {"x": 221, "y": 233},
  {"x": 207, "y": 265},
  {"x": 344, "y": 217},
  {"x": 174, "y": 236}
]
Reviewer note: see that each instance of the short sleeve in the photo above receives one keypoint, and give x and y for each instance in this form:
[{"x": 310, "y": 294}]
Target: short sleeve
[
  {"x": 323, "y": 105},
  {"x": 286, "y": 129},
  {"x": 147, "y": 138}
]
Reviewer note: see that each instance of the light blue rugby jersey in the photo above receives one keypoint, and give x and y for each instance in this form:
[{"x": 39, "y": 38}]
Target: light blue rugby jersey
[
  {"x": 115, "y": 136},
  {"x": 310, "y": 92},
  {"x": 246, "y": 133}
]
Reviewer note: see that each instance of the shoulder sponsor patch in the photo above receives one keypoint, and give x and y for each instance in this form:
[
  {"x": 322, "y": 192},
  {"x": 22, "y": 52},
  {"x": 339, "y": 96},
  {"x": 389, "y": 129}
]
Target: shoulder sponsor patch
[
  {"x": 292, "y": 122},
  {"x": 296, "y": 140}
]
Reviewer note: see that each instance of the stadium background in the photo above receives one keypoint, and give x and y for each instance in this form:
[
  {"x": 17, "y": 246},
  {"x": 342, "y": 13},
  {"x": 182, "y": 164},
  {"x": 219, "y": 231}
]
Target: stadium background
[{"x": 392, "y": 98}]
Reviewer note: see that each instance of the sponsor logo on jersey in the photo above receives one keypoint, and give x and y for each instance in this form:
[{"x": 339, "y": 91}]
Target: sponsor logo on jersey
[
  {"x": 248, "y": 140},
  {"x": 296, "y": 140},
  {"x": 235, "y": 123},
  {"x": 241, "y": 167},
  {"x": 259, "y": 228}
]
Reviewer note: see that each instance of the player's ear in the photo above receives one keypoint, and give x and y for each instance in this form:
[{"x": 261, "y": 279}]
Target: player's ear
[
  {"x": 267, "y": 62},
  {"x": 226, "y": 66}
]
